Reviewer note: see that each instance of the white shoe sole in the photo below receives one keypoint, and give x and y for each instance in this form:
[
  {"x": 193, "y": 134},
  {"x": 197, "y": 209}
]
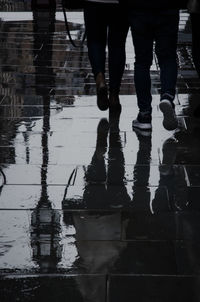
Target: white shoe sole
[
  {"x": 142, "y": 126},
  {"x": 142, "y": 132},
  {"x": 170, "y": 121}
]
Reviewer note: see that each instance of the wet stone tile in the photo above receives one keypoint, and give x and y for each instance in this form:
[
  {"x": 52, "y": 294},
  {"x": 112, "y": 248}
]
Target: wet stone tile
[
  {"x": 188, "y": 156},
  {"x": 55, "y": 289},
  {"x": 147, "y": 257},
  {"x": 153, "y": 289},
  {"x": 37, "y": 175},
  {"x": 159, "y": 176},
  {"x": 24, "y": 111},
  {"x": 187, "y": 255},
  {"x": 192, "y": 124},
  {"x": 93, "y": 226},
  {"x": 193, "y": 173},
  {"x": 160, "y": 226},
  {"x": 27, "y": 197},
  {"x": 193, "y": 199},
  {"x": 60, "y": 174},
  {"x": 46, "y": 240},
  {"x": 100, "y": 196},
  {"x": 188, "y": 226},
  {"x": 118, "y": 197}
]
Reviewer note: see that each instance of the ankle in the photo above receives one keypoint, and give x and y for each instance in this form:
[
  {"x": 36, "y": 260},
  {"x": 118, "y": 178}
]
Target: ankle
[
  {"x": 114, "y": 98},
  {"x": 100, "y": 80}
]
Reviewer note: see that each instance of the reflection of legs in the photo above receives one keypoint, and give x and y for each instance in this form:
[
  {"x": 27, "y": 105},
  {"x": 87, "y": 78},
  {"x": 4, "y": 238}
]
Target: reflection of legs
[
  {"x": 141, "y": 171},
  {"x": 116, "y": 157},
  {"x": 95, "y": 176},
  {"x": 117, "y": 192},
  {"x": 142, "y": 167},
  {"x": 166, "y": 181},
  {"x": 143, "y": 44},
  {"x": 172, "y": 177}
]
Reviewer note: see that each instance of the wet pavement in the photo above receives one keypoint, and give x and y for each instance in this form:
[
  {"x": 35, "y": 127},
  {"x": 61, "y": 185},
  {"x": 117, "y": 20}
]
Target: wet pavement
[{"x": 91, "y": 210}]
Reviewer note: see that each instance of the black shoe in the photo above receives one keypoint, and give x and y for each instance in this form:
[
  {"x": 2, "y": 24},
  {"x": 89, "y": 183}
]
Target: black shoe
[
  {"x": 170, "y": 121},
  {"x": 102, "y": 92},
  {"x": 143, "y": 121}
]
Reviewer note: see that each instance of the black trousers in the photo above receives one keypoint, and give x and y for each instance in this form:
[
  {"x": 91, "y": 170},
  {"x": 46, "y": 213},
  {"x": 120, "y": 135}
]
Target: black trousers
[
  {"x": 160, "y": 27},
  {"x": 195, "y": 19},
  {"x": 106, "y": 24}
]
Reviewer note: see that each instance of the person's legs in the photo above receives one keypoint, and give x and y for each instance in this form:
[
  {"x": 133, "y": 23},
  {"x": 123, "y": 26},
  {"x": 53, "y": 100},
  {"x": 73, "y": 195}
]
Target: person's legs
[
  {"x": 143, "y": 35},
  {"x": 96, "y": 23},
  {"x": 117, "y": 33},
  {"x": 166, "y": 45},
  {"x": 96, "y": 30}
]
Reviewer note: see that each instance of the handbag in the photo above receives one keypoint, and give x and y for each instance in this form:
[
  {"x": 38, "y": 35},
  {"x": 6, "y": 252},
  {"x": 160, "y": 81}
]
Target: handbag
[{"x": 72, "y": 4}]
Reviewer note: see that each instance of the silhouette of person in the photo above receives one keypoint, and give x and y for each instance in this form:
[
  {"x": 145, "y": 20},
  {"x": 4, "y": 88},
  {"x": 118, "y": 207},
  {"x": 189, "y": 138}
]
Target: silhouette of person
[
  {"x": 172, "y": 177},
  {"x": 141, "y": 171},
  {"x": 98, "y": 232},
  {"x": 45, "y": 221}
]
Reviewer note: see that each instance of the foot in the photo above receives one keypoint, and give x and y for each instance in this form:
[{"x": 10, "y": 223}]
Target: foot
[
  {"x": 102, "y": 134},
  {"x": 170, "y": 121},
  {"x": 115, "y": 107},
  {"x": 143, "y": 121},
  {"x": 102, "y": 92}
]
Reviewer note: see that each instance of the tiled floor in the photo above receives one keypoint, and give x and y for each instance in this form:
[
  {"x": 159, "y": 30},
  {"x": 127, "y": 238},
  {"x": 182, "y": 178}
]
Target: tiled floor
[{"x": 91, "y": 210}]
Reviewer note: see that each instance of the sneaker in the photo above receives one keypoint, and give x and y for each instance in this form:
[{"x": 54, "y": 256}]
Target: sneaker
[
  {"x": 170, "y": 121},
  {"x": 143, "y": 121}
]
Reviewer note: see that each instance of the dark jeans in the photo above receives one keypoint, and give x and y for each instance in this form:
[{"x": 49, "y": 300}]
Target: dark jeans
[
  {"x": 105, "y": 23},
  {"x": 195, "y": 19},
  {"x": 160, "y": 27}
]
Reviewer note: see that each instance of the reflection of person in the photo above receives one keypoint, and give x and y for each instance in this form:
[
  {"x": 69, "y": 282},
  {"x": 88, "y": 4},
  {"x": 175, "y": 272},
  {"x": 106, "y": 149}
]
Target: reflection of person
[
  {"x": 105, "y": 23},
  {"x": 172, "y": 177},
  {"x": 45, "y": 221},
  {"x": 142, "y": 170},
  {"x": 98, "y": 233},
  {"x": 111, "y": 193},
  {"x": 154, "y": 21}
]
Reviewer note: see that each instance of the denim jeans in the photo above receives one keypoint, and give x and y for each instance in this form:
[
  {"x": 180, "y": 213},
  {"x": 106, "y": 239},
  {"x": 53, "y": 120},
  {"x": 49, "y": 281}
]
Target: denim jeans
[
  {"x": 105, "y": 24},
  {"x": 160, "y": 27}
]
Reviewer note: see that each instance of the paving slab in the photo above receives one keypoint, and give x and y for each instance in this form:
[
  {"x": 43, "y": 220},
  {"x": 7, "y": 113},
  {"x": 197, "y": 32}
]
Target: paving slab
[{"x": 91, "y": 209}]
